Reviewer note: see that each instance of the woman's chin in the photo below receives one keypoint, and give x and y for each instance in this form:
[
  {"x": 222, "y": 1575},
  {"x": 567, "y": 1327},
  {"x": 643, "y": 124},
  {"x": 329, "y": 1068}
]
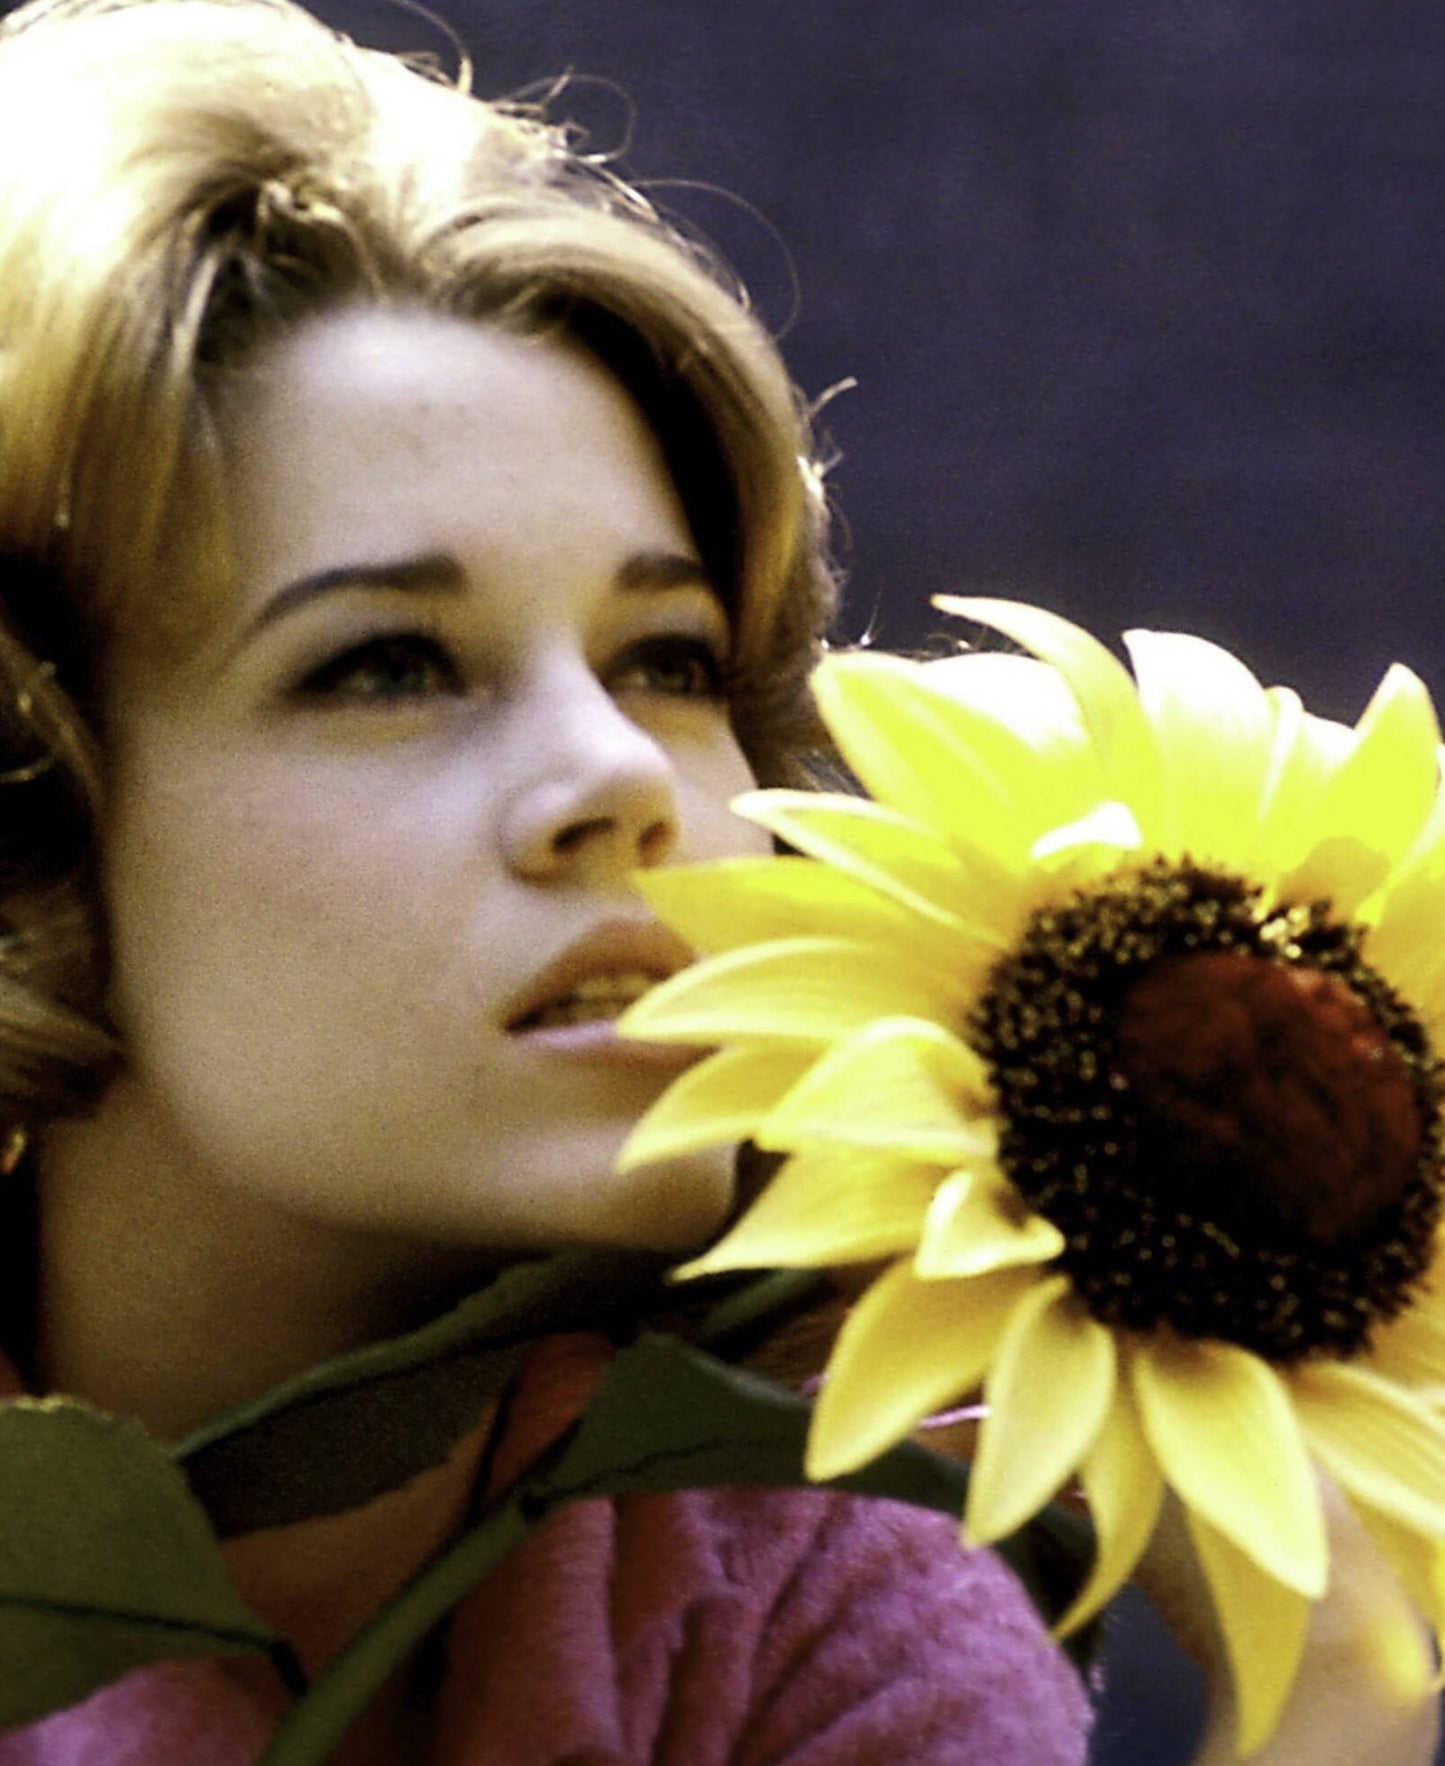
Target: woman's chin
[{"x": 675, "y": 1206}]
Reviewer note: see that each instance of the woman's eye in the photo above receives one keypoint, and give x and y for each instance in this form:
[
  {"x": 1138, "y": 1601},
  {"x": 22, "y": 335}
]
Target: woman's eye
[
  {"x": 407, "y": 665},
  {"x": 683, "y": 668}
]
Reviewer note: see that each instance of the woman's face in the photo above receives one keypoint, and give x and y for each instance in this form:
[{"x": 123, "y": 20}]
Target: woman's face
[{"x": 368, "y": 855}]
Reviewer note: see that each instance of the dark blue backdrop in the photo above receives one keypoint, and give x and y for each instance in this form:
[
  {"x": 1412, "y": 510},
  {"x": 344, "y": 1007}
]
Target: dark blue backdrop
[{"x": 1142, "y": 298}]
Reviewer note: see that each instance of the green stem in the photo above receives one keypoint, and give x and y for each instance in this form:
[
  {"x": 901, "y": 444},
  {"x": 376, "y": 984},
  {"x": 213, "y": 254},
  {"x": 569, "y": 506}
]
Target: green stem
[
  {"x": 321, "y": 1719},
  {"x": 764, "y": 1299}
]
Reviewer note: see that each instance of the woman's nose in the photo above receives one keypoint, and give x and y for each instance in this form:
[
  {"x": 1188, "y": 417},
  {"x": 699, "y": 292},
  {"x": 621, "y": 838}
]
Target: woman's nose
[{"x": 597, "y": 794}]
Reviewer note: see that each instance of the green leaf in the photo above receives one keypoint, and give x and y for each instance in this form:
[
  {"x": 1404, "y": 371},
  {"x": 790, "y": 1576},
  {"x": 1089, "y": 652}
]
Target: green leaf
[
  {"x": 107, "y": 1561},
  {"x": 348, "y": 1430}
]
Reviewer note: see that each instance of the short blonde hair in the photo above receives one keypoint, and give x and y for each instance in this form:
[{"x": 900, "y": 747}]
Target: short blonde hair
[{"x": 180, "y": 180}]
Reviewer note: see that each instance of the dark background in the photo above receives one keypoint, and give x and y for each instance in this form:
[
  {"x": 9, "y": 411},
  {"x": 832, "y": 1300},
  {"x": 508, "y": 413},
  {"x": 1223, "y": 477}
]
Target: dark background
[{"x": 1142, "y": 299}]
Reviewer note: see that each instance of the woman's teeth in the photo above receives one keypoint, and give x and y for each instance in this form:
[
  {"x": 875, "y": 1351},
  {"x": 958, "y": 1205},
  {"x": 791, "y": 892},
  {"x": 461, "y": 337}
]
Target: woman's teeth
[{"x": 599, "y": 997}]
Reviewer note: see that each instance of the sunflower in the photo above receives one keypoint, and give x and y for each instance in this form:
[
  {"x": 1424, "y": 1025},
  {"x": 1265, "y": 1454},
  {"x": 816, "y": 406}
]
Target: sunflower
[{"x": 1106, "y": 1024}]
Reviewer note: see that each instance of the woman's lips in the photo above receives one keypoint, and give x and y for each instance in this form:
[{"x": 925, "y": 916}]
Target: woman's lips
[
  {"x": 596, "y": 1039},
  {"x": 594, "y": 998},
  {"x": 612, "y": 960},
  {"x": 571, "y": 1006}
]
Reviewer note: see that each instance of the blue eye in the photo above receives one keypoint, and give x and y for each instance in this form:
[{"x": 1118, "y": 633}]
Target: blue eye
[
  {"x": 400, "y": 666},
  {"x": 679, "y": 667}
]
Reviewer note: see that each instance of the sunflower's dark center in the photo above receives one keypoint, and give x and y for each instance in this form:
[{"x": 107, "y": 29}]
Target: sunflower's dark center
[
  {"x": 1262, "y": 1073},
  {"x": 1228, "y": 1113}
]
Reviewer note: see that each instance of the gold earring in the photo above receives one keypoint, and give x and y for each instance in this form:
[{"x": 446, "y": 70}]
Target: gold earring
[{"x": 13, "y": 1149}]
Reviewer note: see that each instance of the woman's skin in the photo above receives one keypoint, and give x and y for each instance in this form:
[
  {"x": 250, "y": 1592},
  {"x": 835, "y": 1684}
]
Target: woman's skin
[
  {"x": 457, "y": 673},
  {"x": 466, "y": 675}
]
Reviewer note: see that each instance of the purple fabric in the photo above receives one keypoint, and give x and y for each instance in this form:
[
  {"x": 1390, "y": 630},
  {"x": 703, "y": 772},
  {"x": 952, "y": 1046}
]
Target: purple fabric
[
  {"x": 174, "y": 1714},
  {"x": 753, "y": 1628}
]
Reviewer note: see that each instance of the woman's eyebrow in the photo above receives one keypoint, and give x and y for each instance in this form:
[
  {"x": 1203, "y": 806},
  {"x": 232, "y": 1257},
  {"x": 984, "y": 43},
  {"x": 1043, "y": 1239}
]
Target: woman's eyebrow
[
  {"x": 665, "y": 570},
  {"x": 432, "y": 573},
  {"x": 440, "y": 573}
]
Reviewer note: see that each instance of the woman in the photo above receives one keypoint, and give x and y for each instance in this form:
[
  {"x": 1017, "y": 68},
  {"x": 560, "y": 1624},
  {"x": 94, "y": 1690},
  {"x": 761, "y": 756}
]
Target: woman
[{"x": 407, "y": 540}]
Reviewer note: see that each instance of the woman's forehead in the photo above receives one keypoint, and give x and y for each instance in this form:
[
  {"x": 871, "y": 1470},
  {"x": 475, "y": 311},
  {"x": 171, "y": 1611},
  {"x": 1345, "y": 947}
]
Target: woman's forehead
[{"x": 375, "y": 435}]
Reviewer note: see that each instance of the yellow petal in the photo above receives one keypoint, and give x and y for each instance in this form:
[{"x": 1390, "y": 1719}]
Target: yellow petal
[
  {"x": 1264, "y": 1625},
  {"x": 802, "y": 990},
  {"x": 1107, "y": 698},
  {"x": 1393, "y": 773},
  {"x": 1406, "y": 947},
  {"x": 1377, "y": 802},
  {"x": 1418, "y": 972},
  {"x": 1411, "y": 1348},
  {"x": 1419, "y": 1568},
  {"x": 1214, "y": 729},
  {"x": 1108, "y": 831},
  {"x": 1419, "y": 873},
  {"x": 967, "y": 893},
  {"x": 899, "y": 1083},
  {"x": 1342, "y": 869},
  {"x": 1025, "y": 724},
  {"x": 1125, "y": 1488},
  {"x": 1048, "y": 1392},
  {"x": 977, "y": 1222},
  {"x": 1404, "y": 942},
  {"x": 732, "y": 902},
  {"x": 907, "y": 1349},
  {"x": 1222, "y": 1427},
  {"x": 720, "y": 1100},
  {"x": 833, "y": 1206},
  {"x": 925, "y": 755},
  {"x": 1383, "y": 1447},
  {"x": 1430, "y": 843},
  {"x": 1306, "y": 752},
  {"x": 1033, "y": 702}
]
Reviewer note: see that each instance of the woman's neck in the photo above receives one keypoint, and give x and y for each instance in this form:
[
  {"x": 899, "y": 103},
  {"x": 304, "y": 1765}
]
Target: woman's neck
[{"x": 169, "y": 1298}]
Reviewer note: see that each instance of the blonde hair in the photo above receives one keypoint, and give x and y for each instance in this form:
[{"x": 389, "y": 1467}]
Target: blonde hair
[{"x": 180, "y": 180}]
